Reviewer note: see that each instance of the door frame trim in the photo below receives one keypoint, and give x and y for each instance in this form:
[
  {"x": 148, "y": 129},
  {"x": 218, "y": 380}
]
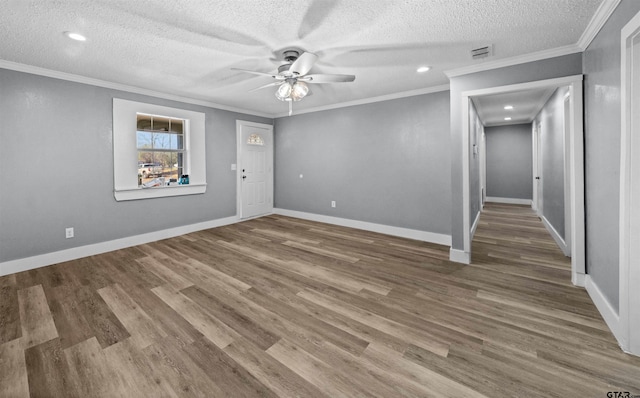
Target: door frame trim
[
  {"x": 269, "y": 127},
  {"x": 629, "y": 157},
  {"x": 575, "y": 153}
]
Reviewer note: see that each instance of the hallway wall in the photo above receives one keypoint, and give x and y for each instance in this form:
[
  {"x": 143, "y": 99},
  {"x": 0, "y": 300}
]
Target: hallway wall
[{"x": 509, "y": 161}]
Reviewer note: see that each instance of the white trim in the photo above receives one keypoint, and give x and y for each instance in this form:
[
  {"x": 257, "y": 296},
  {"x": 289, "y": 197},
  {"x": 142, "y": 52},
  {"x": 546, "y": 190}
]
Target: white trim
[
  {"x": 511, "y": 201},
  {"x": 534, "y": 173},
  {"x": 576, "y": 182},
  {"x": 125, "y": 155},
  {"x": 520, "y": 59},
  {"x": 466, "y": 194},
  {"x": 597, "y": 22},
  {"x": 556, "y": 236},
  {"x": 580, "y": 280},
  {"x": 629, "y": 269},
  {"x": 388, "y": 97},
  {"x": 576, "y": 154},
  {"x": 605, "y": 308},
  {"x": 432, "y": 237},
  {"x": 459, "y": 256},
  {"x": 34, "y": 70},
  {"x": 474, "y": 227},
  {"x": 538, "y": 84},
  {"x": 567, "y": 121},
  {"x": 42, "y": 260},
  {"x": 163, "y": 192}
]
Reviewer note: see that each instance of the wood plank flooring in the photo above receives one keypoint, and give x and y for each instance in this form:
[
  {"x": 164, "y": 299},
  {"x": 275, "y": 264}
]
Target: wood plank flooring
[{"x": 282, "y": 307}]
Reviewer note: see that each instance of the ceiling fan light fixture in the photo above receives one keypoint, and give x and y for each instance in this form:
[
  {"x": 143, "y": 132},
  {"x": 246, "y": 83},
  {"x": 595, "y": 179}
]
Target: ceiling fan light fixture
[
  {"x": 299, "y": 91},
  {"x": 284, "y": 91}
]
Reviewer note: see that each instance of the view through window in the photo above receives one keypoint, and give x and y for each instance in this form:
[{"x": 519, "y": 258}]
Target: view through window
[{"x": 161, "y": 147}]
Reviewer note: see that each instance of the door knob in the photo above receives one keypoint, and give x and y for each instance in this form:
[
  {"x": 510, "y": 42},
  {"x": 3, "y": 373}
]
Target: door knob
[
  {"x": 243, "y": 177},
  {"x": 537, "y": 178}
]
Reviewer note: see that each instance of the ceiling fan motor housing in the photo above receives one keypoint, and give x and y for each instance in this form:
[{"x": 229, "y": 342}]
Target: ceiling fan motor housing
[{"x": 291, "y": 55}]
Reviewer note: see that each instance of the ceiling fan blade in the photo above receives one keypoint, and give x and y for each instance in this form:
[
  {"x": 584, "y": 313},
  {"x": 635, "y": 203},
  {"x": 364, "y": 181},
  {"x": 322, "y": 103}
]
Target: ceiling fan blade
[
  {"x": 267, "y": 85},
  {"x": 303, "y": 64},
  {"x": 256, "y": 73},
  {"x": 329, "y": 78}
]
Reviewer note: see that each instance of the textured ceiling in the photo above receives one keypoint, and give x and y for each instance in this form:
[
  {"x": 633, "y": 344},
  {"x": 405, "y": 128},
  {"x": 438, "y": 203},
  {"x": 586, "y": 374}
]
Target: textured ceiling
[{"x": 187, "y": 48}]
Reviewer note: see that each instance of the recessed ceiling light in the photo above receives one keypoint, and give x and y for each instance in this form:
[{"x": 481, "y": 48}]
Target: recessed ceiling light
[
  {"x": 423, "y": 69},
  {"x": 508, "y": 107},
  {"x": 507, "y": 118},
  {"x": 75, "y": 36}
]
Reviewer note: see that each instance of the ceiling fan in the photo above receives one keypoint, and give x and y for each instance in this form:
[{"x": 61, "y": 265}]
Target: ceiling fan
[{"x": 292, "y": 77}]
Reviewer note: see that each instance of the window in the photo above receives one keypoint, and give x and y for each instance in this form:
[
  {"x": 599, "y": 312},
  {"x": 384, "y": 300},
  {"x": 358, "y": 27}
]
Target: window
[
  {"x": 161, "y": 150},
  {"x": 152, "y": 142},
  {"x": 255, "y": 139}
]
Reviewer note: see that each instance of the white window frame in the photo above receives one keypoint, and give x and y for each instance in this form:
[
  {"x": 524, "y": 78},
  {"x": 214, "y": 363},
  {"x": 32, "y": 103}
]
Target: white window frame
[{"x": 125, "y": 151}]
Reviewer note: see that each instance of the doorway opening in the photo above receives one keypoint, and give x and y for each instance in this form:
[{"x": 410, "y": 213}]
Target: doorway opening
[{"x": 573, "y": 152}]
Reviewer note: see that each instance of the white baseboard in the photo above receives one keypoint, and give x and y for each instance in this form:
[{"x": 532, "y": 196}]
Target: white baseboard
[
  {"x": 556, "y": 236},
  {"x": 459, "y": 256},
  {"x": 609, "y": 314},
  {"x": 510, "y": 201},
  {"x": 475, "y": 225},
  {"x": 42, "y": 260},
  {"x": 425, "y": 236}
]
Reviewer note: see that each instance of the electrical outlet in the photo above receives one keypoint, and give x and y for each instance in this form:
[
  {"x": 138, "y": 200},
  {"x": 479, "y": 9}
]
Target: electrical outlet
[
  {"x": 68, "y": 233},
  {"x": 333, "y": 203}
]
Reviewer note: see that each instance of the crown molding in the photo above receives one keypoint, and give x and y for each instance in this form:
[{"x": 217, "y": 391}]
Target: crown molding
[
  {"x": 520, "y": 59},
  {"x": 403, "y": 94},
  {"x": 601, "y": 16},
  {"x": 35, "y": 70},
  {"x": 607, "y": 7}
]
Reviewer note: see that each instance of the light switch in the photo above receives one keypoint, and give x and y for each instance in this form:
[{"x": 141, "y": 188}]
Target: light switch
[
  {"x": 233, "y": 166},
  {"x": 301, "y": 176}
]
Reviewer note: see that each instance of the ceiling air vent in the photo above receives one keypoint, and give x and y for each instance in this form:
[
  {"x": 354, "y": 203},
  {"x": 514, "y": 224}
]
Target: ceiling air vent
[{"x": 482, "y": 52}]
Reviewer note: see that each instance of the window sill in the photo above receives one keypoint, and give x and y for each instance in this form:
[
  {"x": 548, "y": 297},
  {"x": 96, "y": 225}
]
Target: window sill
[{"x": 159, "y": 192}]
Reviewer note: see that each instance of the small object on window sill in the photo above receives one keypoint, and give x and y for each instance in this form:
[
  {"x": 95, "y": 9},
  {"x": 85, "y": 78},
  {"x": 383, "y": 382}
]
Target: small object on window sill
[
  {"x": 156, "y": 182},
  {"x": 184, "y": 179}
]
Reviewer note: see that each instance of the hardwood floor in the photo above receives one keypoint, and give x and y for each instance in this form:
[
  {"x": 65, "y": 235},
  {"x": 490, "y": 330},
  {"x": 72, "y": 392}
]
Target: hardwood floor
[{"x": 278, "y": 306}]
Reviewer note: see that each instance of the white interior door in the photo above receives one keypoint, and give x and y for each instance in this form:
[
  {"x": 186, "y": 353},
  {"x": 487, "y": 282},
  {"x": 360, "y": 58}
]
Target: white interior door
[{"x": 255, "y": 168}]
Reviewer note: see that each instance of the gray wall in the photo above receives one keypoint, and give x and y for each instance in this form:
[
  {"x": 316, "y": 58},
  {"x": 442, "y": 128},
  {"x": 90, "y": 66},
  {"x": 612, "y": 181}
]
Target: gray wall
[
  {"x": 385, "y": 162},
  {"x": 56, "y": 160},
  {"x": 567, "y": 65},
  {"x": 602, "y": 150},
  {"x": 509, "y": 161},
  {"x": 551, "y": 119}
]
